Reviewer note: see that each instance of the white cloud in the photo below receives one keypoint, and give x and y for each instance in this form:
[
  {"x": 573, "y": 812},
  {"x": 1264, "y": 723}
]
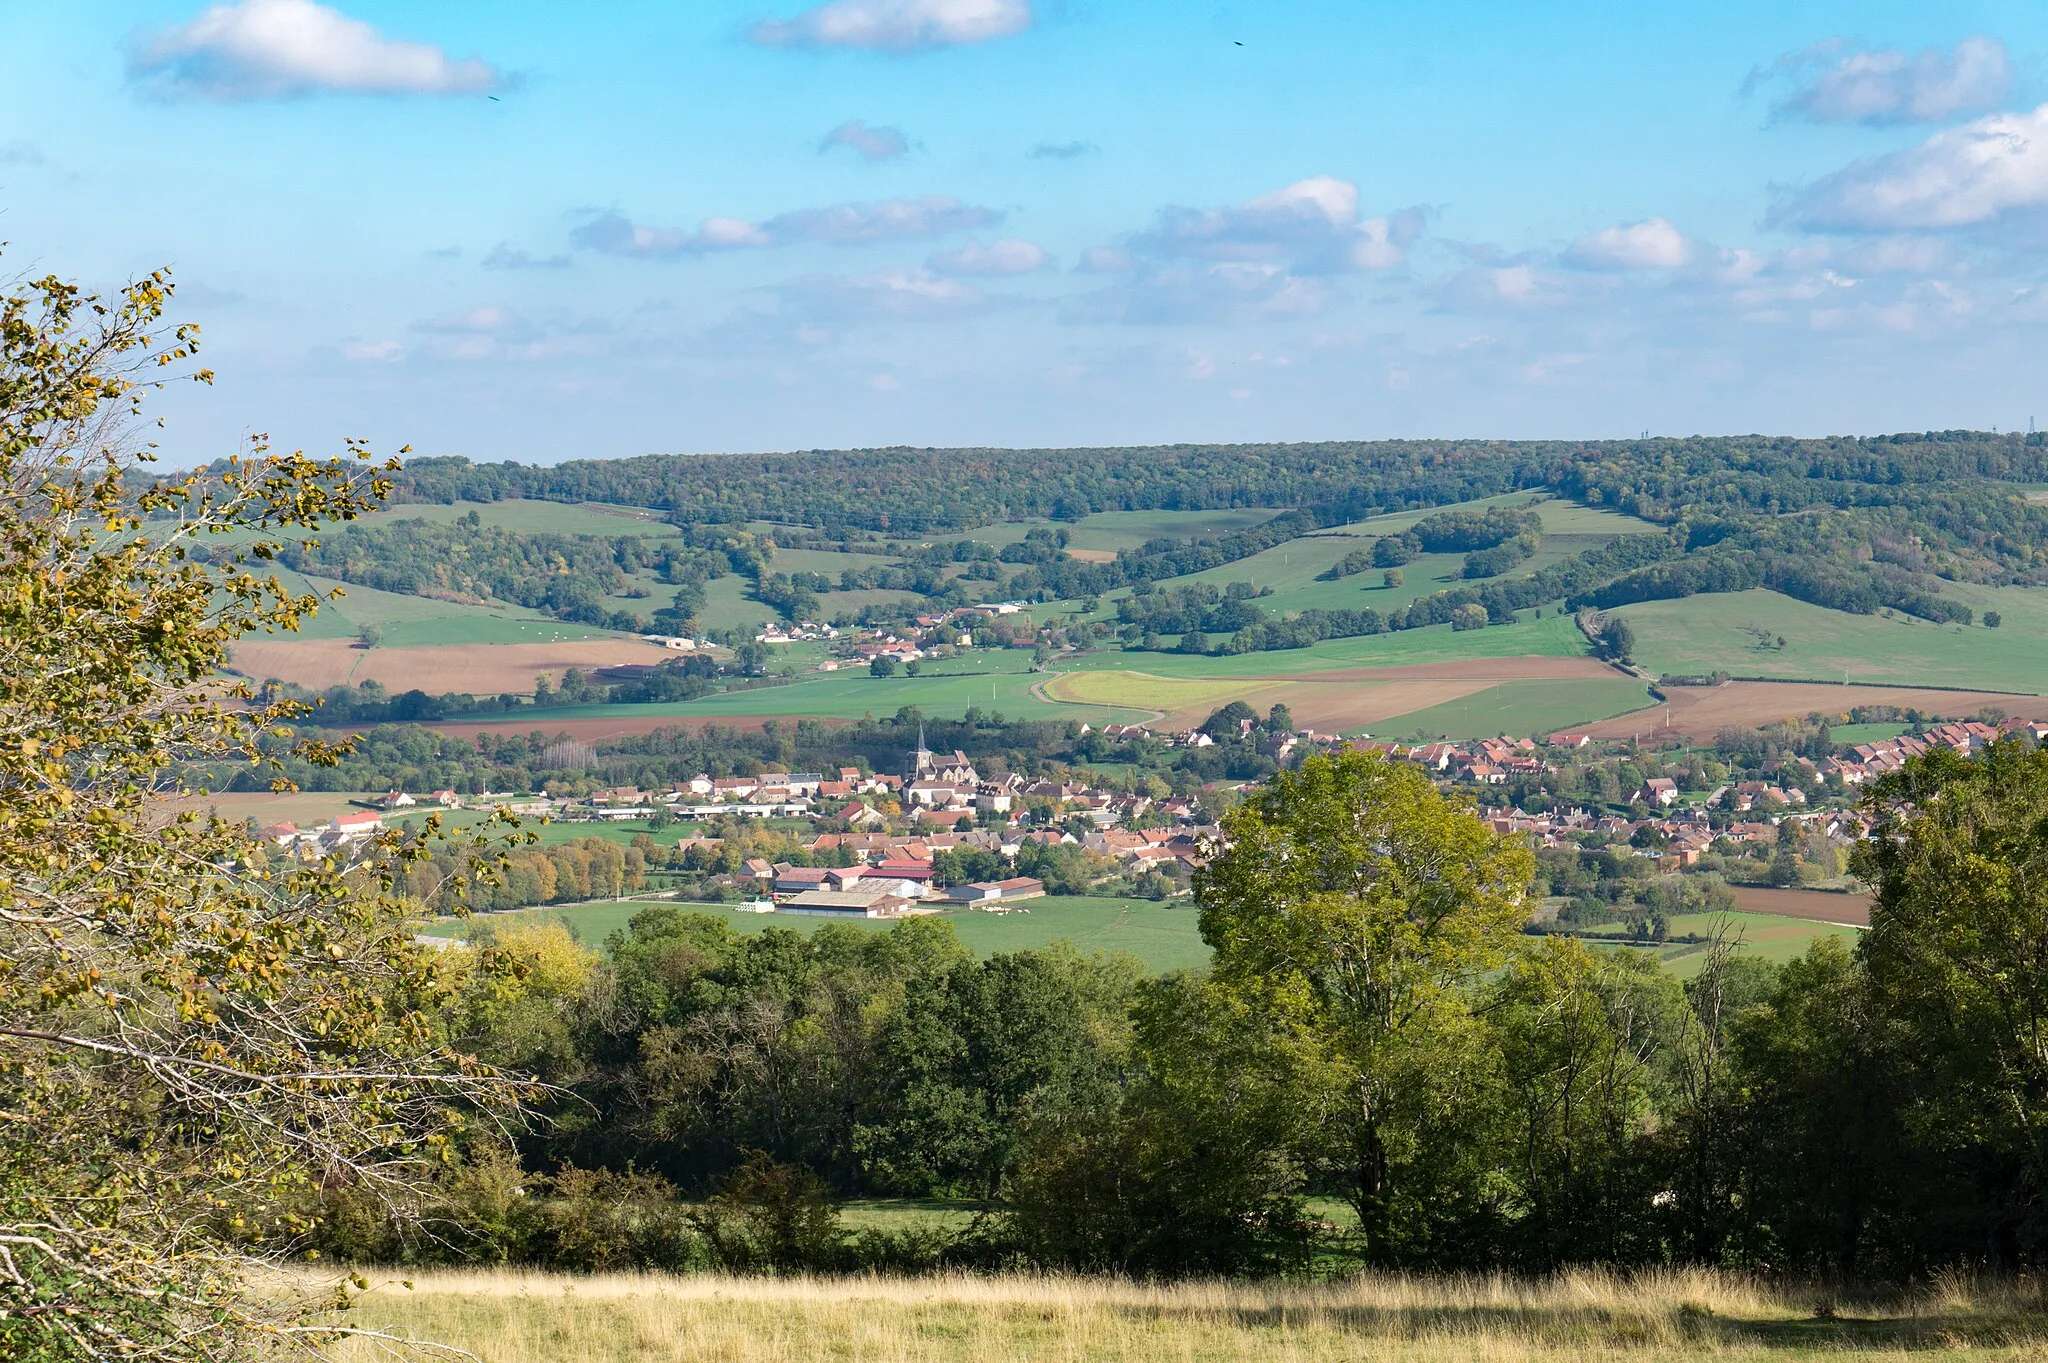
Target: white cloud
[
  {"x": 1956, "y": 178},
  {"x": 912, "y": 294},
  {"x": 873, "y": 144},
  {"x": 1839, "y": 83},
  {"x": 1105, "y": 260},
  {"x": 1313, "y": 224},
  {"x": 1652, "y": 244},
  {"x": 1007, "y": 256},
  {"x": 271, "y": 49},
  {"x": 374, "y": 352},
  {"x": 843, "y": 224},
  {"x": 897, "y": 25}
]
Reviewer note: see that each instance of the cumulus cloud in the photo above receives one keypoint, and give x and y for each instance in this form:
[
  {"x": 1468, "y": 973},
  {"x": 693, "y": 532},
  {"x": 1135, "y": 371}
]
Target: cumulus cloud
[
  {"x": 1062, "y": 151},
  {"x": 1007, "y": 256},
  {"x": 1652, "y": 244},
  {"x": 504, "y": 257},
  {"x": 273, "y": 49},
  {"x": 873, "y": 144},
  {"x": 897, "y": 25},
  {"x": 373, "y": 352},
  {"x": 1312, "y": 224},
  {"x": 1959, "y": 177},
  {"x": 908, "y": 294},
  {"x": 843, "y": 224},
  {"x": 1837, "y": 82},
  {"x": 1256, "y": 261}
]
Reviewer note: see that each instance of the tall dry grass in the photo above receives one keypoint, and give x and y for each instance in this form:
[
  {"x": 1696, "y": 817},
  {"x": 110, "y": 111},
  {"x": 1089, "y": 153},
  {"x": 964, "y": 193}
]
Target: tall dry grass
[{"x": 528, "y": 1317}]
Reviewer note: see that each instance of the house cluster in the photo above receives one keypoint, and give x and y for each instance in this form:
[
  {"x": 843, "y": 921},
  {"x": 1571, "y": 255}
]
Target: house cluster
[
  {"x": 339, "y": 834},
  {"x": 773, "y": 632},
  {"x": 1867, "y": 761},
  {"x": 1482, "y": 761},
  {"x": 1680, "y": 838}
]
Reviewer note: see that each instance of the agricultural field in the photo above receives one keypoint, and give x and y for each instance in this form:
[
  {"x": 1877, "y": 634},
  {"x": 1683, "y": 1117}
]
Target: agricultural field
[
  {"x": 526, "y": 1316},
  {"x": 1521, "y": 708},
  {"x": 474, "y": 669},
  {"x": 1163, "y": 938},
  {"x": 1700, "y": 712},
  {"x": 1770, "y": 937},
  {"x": 1739, "y": 633},
  {"x": 1109, "y": 531},
  {"x": 541, "y": 517}
]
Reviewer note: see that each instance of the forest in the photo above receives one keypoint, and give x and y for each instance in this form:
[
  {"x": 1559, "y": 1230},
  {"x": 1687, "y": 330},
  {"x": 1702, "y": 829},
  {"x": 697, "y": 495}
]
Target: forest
[{"x": 1853, "y": 525}]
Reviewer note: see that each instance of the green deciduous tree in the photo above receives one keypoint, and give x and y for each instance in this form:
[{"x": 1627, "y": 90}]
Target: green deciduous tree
[{"x": 1353, "y": 909}]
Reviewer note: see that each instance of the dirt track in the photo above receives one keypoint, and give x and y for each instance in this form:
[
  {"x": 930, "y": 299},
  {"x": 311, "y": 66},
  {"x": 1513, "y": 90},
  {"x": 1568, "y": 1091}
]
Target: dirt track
[
  {"x": 469, "y": 669},
  {"x": 1698, "y": 712}
]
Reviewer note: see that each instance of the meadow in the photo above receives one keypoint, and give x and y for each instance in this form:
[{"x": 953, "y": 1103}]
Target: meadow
[
  {"x": 1738, "y": 632},
  {"x": 1767, "y": 937},
  {"x": 1163, "y": 936},
  {"x": 512, "y": 1316},
  {"x": 1520, "y": 708}
]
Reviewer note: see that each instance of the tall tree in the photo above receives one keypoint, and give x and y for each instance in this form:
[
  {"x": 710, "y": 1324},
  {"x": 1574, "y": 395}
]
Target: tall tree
[
  {"x": 191, "y": 1033},
  {"x": 1353, "y": 908}
]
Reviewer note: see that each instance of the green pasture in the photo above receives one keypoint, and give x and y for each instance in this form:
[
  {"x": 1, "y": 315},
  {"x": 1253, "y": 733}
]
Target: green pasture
[
  {"x": 1163, "y": 938},
  {"x": 1114, "y": 530},
  {"x": 540, "y": 517},
  {"x": 1865, "y": 733},
  {"x": 1521, "y": 708},
  {"x": 851, "y": 693},
  {"x": 1551, "y": 636},
  {"x": 1737, "y": 632},
  {"x": 1765, "y": 936},
  {"x": 418, "y": 621}
]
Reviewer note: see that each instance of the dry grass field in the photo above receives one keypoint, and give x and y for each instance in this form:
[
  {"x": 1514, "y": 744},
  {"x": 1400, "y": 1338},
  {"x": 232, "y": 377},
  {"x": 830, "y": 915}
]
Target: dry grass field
[
  {"x": 514, "y": 1317},
  {"x": 1698, "y": 712},
  {"x": 470, "y": 669}
]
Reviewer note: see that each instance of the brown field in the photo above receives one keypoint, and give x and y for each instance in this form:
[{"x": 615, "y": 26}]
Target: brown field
[
  {"x": 306, "y": 808},
  {"x": 616, "y": 726},
  {"x": 1817, "y": 906},
  {"x": 1697, "y": 712},
  {"x": 469, "y": 669},
  {"x": 1092, "y": 555}
]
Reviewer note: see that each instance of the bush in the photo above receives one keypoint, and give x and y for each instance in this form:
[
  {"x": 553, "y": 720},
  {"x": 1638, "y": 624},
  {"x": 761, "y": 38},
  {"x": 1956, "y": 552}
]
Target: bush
[{"x": 769, "y": 1216}]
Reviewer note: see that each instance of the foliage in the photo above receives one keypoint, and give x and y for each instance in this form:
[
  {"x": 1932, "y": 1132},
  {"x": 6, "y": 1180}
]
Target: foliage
[
  {"x": 1354, "y": 907},
  {"x": 189, "y": 1036}
]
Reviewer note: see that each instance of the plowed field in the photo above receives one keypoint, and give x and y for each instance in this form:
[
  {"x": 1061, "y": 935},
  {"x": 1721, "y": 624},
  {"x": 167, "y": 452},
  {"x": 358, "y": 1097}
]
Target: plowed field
[{"x": 469, "y": 669}]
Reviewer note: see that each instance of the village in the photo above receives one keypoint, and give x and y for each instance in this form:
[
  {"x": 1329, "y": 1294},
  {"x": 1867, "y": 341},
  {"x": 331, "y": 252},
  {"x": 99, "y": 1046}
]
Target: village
[{"x": 876, "y": 841}]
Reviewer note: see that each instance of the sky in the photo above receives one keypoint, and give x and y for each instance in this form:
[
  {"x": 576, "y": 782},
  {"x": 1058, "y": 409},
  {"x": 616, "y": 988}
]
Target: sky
[{"x": 513, "y": 230}]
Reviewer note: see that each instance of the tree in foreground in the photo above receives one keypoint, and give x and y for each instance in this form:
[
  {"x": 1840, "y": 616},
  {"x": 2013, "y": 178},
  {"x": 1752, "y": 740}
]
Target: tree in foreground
[
  {"x": 194, "y": 1034},
  {"x": 1352, "y": 912}
]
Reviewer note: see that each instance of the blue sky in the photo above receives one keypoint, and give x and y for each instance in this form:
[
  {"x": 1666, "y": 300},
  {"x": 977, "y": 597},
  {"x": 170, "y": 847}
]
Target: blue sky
[{"x": 513, "y": 230}]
